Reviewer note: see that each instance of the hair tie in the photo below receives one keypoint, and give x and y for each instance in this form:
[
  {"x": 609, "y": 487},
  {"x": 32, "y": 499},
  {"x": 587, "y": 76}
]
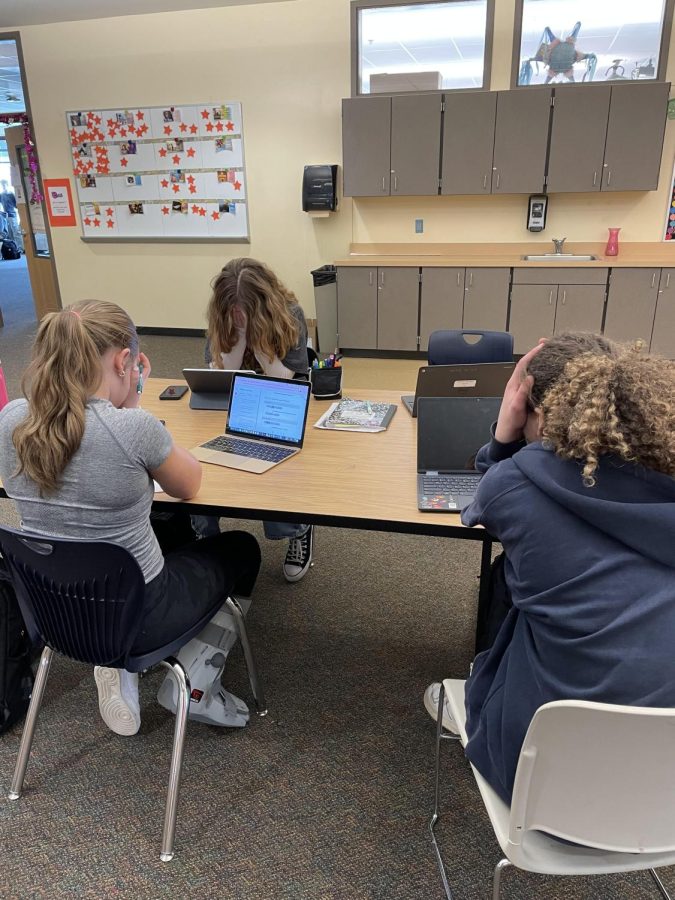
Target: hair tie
[{"x": 75, "y": 313}]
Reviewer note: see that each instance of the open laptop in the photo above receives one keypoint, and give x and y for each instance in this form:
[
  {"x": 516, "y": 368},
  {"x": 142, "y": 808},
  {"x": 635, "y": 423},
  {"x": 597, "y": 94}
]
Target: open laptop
[
  {"x": 210, "y": 388},
  {"x": 475, "y": 380},
  {"x": 265, "y": 424},
  {"x": 450, "y": 431}
]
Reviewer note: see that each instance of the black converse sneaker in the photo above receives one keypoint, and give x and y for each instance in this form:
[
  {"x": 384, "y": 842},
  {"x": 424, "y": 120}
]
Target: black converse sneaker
[{"x": 299, "y": 555}]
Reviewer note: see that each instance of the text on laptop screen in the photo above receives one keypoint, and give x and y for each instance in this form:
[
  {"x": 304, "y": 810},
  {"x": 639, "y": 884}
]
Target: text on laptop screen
[
  {"x": 451, "y": 430},
  {"x": 268, "y": 408}
]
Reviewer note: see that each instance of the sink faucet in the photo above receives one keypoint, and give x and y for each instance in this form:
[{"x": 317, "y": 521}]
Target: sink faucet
[{"x": 558, "y": 244}]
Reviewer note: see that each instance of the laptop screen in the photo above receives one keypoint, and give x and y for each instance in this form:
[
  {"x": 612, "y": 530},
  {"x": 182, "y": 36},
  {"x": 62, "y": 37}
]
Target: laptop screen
[
  {"x": 451, "y": 430},
  {"x": 270, "y": 408}
]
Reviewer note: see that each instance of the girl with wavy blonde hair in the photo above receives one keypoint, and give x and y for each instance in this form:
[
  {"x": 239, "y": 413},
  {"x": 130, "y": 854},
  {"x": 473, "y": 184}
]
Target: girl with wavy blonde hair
[
  {"x": 578, "y": 487},
  {"x": 78, "y": 457},
  {"x": 255, "y": 322}
]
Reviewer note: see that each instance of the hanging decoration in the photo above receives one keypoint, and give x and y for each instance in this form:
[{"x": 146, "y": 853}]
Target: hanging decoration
[{"x": 22, "y": 119}]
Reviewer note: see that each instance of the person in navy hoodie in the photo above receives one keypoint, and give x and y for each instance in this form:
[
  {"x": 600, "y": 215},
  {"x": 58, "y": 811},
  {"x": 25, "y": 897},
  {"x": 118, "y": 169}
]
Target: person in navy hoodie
[{"x": 579, "y": 489}]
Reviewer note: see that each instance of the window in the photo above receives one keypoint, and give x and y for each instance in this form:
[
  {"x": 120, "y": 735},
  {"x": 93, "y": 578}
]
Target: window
[
  {"x": 577, "y": 41},
  {"x": 420, "y": 45}
]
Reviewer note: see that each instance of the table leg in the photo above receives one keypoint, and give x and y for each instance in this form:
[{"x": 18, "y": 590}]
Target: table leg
[{"x": 483, "y": 589}]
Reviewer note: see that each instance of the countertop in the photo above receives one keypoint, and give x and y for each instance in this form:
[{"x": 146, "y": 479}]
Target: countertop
[{"x": 657, "y": 254}]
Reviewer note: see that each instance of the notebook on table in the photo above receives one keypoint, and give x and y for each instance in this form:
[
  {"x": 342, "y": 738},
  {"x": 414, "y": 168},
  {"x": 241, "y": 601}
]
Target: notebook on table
[
  {"x": 450, "y": 431},
  {"x": 474, "y": 380},
  {"x": 265, "y": 424},
  {"x": 210, "y": 388}
]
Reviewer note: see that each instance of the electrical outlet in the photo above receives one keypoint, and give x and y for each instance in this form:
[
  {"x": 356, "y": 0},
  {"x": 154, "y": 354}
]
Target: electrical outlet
[{"x": 419, "y": 226}]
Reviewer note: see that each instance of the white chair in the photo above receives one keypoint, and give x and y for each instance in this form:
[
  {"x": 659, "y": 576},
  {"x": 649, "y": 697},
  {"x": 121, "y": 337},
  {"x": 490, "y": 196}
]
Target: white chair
[{"x": 599, "y": 775}]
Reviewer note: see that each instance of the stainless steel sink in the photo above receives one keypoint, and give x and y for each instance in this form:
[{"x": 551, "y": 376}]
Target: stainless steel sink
[{"x": 558, "y": 257}]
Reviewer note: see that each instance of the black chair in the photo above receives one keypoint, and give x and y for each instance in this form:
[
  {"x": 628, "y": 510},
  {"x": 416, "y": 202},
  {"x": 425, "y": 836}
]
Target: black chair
[
  {"x": 453, "y": 348},
  {"x": 84, "y": 600}
]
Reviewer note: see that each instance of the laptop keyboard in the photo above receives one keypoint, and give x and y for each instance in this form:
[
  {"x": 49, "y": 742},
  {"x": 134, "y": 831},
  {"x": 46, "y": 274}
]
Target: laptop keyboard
[
  {"x": 450, "y": 484},
  {"x": 248, "y": 448}
]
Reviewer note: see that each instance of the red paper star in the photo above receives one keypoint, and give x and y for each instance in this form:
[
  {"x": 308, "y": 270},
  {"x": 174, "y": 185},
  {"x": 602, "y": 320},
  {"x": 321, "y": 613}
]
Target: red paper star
[
  {"x": 230, "y": 126},
  {"x": 209, "y": 126},
  {"x": 191, "y": 179},
  {"x": 182, "y": 127},
  {"x": 205, "y": 114},
  {"x": 175, "y": 159},
  {"x": 110, "y": 123},
  {"x": 191, "y": 152},
  {"x": 87, "y": 221},
  {"x": 195, "y": 209},
  {"x": 202, "y": 211},
  {"x": 112, "y": 132},
  {"x": 193, "y": 129},
  {"x": 215, "y": 215},
  {"x": 74, "y": 136},
  {"x": 237, "y": 185},
  {"x": 142, "y": 129},
  {"x": 98, "y": 120},
  {"x": 193, "y": 189},
  {"x": 109, "y": 211},
  {"x": 132, "y": 129},
  {"x": 164, "y": 183},
  {"x": 165, "y": 210},
  {"x": 123, "y": 132},
  {"x": 175, "y": 188},
  {"x": 89, "y": 166},
  {"x": 110, "y": 223},
  {"x": 140, "y": 115},
  {"x": 162, "y": 152},
  {"x": 167, "y": 129},
  {"x": 219, "y": 126},
  {"x": 124, "y": 162},
  {"x": 96, "y": 223}
]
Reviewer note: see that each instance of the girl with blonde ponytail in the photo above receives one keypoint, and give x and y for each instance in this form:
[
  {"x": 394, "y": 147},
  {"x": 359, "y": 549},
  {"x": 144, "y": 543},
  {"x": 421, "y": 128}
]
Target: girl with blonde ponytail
[
  {"x": 579, "y": 489},
  {"x": 78, "y": 457}
]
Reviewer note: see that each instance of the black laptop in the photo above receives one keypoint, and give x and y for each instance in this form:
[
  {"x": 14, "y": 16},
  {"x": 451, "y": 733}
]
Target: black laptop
[
  {"x": 475, "y": 380},
  {"x": 210, "y": 388},
  {"x": 450, "y": 431}
]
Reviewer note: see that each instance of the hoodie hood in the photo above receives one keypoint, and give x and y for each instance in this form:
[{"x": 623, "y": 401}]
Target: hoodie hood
[{"x": 629, "y": 503}]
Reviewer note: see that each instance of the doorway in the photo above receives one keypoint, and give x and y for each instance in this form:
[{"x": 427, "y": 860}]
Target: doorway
[{"x": 28, "y": 283}]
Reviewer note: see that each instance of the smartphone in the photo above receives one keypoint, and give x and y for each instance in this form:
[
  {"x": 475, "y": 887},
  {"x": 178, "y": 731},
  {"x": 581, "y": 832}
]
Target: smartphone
[{"x": 174, "y": 392}]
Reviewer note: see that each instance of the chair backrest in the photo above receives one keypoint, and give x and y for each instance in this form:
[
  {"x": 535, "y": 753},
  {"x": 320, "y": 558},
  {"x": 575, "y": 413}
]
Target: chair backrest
[
  {"x": 599, "y": 775},
  {"x": 82, "y": 598},
  {"x": 453, "y": 347}
]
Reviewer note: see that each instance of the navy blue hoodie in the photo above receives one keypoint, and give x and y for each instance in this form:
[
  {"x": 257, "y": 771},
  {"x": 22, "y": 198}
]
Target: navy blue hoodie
[{"x": 591, "y": 576}]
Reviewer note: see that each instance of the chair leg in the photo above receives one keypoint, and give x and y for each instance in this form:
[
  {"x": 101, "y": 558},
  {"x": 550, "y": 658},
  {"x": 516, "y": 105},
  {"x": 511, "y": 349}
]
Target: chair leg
[
  {"x": 29, "y": 726},
  {"x": 660, "y": 885},
  {"x": 497, "y": 879},
  {"x": 256, "y": 687},
  {"x": 440, "y": 735},
  {"x": 183, "y": 703}
]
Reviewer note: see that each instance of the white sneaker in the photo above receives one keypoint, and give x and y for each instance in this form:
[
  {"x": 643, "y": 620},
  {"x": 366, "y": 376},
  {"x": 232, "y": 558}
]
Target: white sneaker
[
  {"x": 299, "y": 555},
  {"x": 118, "y": 699},
  {"x": 431, "y": 696}
]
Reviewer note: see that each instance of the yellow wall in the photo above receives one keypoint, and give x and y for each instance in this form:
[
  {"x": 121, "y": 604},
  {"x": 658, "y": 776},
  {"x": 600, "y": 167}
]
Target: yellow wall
[{"x": 288, "y": 63}]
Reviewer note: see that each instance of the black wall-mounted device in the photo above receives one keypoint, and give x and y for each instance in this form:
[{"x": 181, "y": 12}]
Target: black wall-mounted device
[
  {"x": 536, "y": 212},
  {"x": 319, "y": 188}
]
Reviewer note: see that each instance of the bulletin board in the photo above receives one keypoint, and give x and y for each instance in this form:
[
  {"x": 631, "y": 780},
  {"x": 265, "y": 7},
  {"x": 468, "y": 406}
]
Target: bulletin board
[{"x": 160, "y": 173}]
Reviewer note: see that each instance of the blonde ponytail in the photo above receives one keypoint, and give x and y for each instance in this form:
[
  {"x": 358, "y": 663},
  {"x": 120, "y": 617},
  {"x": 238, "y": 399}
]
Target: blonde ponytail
[{"x": 64, "y": 372}]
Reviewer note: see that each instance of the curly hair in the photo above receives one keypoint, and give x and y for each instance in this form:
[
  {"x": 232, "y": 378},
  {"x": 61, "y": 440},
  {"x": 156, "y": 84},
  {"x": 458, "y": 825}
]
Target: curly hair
[
  {"x": 271, "y": 327},
  {"x": 600, "y": 398}
]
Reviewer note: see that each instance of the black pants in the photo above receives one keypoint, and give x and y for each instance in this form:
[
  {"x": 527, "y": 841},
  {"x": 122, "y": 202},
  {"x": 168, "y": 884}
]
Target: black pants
[{"x": 196, "y": 579}]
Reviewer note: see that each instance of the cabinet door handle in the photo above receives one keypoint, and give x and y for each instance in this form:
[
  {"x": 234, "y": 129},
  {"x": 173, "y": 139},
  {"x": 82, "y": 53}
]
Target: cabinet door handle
[
  {"x": 484, "y": 181},
  {"x": 564, "y": 296},
  {"x": 550, "y": 297},
  {"x": 383, "y": 183},
  {"x": 471, "y": 279},
  {"x": 498, "y": 180},
  {"x": 609, "y": 176},
  {"x": 458, "y": 278},
  {"x": 382, "y": 276},
  {"x": 370, "y": 277},
  {"x": 668, "y": 280},
  {"x": 395, "y": 182},
  {"x": 653, "y": 278},
  {"x": 595, "y": 178}
]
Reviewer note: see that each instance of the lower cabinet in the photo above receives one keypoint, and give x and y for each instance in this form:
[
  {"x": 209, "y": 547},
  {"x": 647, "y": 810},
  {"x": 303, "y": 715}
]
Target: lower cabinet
[
  {"x": 579, "y": 308},
  {"x": 663, "y": 333},
  {"x": 486, "y": 298},
  {"x": 631, "y": 304},
  {"x": 397, "y": 302},
  {"x": 357, "y": 307},
  {"x": 441, "y": 301},
  {"x": 542, "y": 310}
]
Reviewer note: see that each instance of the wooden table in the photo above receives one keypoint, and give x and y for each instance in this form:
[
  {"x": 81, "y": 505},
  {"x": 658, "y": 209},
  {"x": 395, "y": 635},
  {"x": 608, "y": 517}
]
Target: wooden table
[{"x": 340, "y": 479}]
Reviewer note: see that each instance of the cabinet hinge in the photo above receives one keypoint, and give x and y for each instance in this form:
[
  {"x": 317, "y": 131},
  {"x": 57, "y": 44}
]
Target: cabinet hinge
[
  {"x": 552, "y": 100},
  {"x": 418, "y": 340},
  {"x": 545, "y": 180},
  {"x": 442, "y": 110},
  {"x": 419, "y": 277}
]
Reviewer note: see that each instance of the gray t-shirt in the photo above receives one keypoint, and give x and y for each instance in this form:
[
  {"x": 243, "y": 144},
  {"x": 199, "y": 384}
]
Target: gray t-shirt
[{"x": 105, "y": 491}]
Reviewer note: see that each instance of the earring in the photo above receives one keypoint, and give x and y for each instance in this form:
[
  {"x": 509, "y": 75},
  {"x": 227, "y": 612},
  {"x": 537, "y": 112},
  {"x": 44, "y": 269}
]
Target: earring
[{"x": 121, "y": 374}]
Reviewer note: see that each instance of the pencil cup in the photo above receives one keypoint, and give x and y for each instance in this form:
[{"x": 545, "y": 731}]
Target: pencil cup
[{"x": 326, "y": 383}]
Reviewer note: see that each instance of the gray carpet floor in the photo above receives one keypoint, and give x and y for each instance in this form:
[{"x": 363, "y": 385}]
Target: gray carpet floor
[{"x": 327, "y": 797}]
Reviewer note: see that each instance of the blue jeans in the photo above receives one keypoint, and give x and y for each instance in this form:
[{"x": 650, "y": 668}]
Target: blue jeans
[{"x": 206, "y": 526}]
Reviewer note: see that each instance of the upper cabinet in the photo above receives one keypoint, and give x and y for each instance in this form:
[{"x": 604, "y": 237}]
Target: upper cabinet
[
  {"x": 578, "y": 132},
  {"x": 468, "y": 142},
  {"x": 366, "y": 146},
  {"x": 415, "y": 144},
  {"x": 637, "y": 122},
  {"x": 521, "y": 138}
]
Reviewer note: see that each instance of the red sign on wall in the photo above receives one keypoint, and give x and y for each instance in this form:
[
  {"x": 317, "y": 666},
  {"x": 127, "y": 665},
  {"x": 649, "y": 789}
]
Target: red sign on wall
[{"x": 59, "y": 202}]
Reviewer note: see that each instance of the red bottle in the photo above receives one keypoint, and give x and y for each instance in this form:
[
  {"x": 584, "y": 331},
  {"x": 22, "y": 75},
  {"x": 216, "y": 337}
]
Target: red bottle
[{"x": 612, "y": 248}]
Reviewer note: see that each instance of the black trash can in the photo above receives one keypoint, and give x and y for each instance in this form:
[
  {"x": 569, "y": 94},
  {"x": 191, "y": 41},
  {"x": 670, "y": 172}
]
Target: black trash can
[{"x": 325, "y": 299}]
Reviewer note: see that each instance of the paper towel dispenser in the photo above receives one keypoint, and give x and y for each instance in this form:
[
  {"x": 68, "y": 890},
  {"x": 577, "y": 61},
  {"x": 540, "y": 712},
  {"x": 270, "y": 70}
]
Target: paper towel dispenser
[{"x": 319, "y": 189}]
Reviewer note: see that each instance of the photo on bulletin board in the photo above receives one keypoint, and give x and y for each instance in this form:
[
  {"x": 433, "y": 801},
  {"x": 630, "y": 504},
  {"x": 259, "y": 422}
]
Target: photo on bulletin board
[
  {"x": 669, "y": 229},
  {"x": 153, "y": 173}
]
